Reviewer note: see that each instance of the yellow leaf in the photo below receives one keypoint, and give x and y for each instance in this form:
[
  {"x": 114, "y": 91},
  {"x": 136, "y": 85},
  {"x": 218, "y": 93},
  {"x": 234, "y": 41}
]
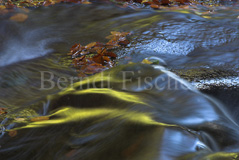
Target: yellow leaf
[
  {"x": 131, "y": 62},
  {"x": 20, "y": 119},
  {"x": 145, "y": 61}
]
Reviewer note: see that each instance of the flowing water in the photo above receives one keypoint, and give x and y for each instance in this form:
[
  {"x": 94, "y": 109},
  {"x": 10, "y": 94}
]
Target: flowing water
[{"x": 135, "y": 111}]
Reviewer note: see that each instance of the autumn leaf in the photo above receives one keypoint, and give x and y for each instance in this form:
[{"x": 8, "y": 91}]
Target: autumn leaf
[
  {"x": 19, "y": 17},
  {"x": 3, "y": 111},
  {"x": 90, "y": 45},
  {"x": 147, "y": 2},
  {"x": 182, "y": 1},
  {"x": 86, "y": 2},
  {"x": 111, "y": 54},
  {"x": 105, "y": 58},
  {"x": 130, "y": 62},
  {"x": 81, "y": 74},
  {"x": 9, "y": 5},
  {"x": 96, "y": 57},
  {"x": 154, "y": 6},
  {"x": 12, "y": 133},
  {"x": 42, "y": 118},
  {"x": 145, "y": 61},
  {"x": 164, "y": 2},
  {"x": 20, "y": 119}
]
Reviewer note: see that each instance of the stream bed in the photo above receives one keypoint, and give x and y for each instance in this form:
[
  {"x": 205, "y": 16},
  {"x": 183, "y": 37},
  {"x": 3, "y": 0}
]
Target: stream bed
[{"x": 186, "y": 107}]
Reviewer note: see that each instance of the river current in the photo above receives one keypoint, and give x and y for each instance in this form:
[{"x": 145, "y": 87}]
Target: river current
[{"x": 185, "y": 107}]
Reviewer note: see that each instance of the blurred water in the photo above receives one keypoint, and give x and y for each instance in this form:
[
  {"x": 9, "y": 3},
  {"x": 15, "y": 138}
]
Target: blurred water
[{"x": 135, "y": 123}]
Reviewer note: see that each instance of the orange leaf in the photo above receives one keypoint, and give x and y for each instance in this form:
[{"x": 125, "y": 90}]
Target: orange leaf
[
  {"x": 90, "y": 45},
  {"x": 76, "y": 48},
  {"x": 164, "y": 2},
  {"x": 2, "y": 111},
  {"x": 106, "y": 58},
  {"x": 10, "y": 6},
  {"x": 84, "y": 52},
  {"x": 86, "y": 2},
  {"x": 98, "y": 59},
  {"x": 12, "y": 133},
  {"x": 42, "y": 118},
  {"x": 147, "y": 2},
  {"x": 182, "y": 1},
  {"x": 81, "y": 74},
  {"x": 111, "y": 54},
  {"x": 19, "y": 17},
  {"x": 154, "y": 6}
]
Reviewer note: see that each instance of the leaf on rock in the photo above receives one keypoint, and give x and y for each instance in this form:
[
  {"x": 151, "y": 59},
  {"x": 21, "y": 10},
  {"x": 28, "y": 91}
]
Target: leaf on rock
[
  {"x": 165, "y": 2},
  {"x": 111, "y": 54},
  {"x": 105, "y": 58},
  {"x": 96, "y": 57},
  {"x": 90, "y": 45},
  {"x": 145, "y": 61},
  {"x": 20, "y": 119},
  {"x": 154, "y": 6}
]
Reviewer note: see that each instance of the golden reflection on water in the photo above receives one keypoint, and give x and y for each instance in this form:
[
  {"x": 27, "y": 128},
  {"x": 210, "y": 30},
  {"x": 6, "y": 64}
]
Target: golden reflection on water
[{"x": 70, "y": 114}]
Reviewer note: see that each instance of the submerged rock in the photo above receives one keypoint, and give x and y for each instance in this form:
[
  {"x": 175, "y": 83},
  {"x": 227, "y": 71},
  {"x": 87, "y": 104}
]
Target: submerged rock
[{"x": 134, "y": 112}]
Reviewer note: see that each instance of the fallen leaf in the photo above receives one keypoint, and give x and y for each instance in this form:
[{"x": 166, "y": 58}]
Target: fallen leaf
[
  {"x": 10, "y": 5},
  {"x": 90, "y": 45},
  {"x": 81, "y": 74},
  {"x": 147, "y": 2},
  {"x": 86, "y": 2},
  {"x": 182, "y": 1},
  {"x": 97, "y": 56},
  {"x": 2, "y": 111},
  {"x": 154, "y": 6},
  {"x": 12, "y": 133},
  {"x": 145, "y": 61},
  {"x": 164, "y": 2},
  {"x": 19, "y": 17},
  {"x": 111, "y": 54},
  {"x": 19, "y": 119},
  {"x": 105, "y": 58},
  {"x": 130, "y": 62}
]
